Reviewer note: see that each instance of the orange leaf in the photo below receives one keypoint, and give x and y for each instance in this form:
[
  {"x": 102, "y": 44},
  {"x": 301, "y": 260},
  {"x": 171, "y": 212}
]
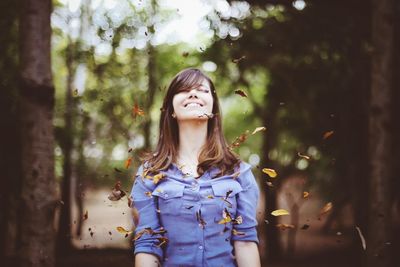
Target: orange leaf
[
  {"x": 328, "y": 206},
  {"x": 305, "y": 194},
  {"x": 327, "y": 134},
  {"x": 284, "y": 226},
  {"x": 122, "y": 230},
  {"x": 128, "y": 163},
  {"x": 137, "y": 111}
]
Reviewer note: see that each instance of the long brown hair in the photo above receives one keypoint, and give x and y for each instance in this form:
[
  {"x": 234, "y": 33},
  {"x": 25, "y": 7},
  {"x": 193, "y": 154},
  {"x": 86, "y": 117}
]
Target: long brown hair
[{"x": 215, "y": 152}]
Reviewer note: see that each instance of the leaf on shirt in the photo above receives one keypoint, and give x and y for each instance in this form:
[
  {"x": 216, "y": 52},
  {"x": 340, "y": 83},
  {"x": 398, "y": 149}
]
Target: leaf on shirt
[
  {"x": 210, "y": 196},
  {"x": 200, "y": 219},
  {"x": 157, "y": 178},
  {"x": 148, "y": 193},
  {"x": 284, "y": 226},
  {"x": 117, "y": 193},
  {"x": 235, "y": 175},
  {"x": 235, "y": 232},
  {"x": 163, "y": 240},
  {"x": 238, "y": 220},
  {"x": 271, "y": 172},
  {"x": 226, "y": 217},
  {"x": 279, "y": 212},
  {"x": 258, "y": 129}
]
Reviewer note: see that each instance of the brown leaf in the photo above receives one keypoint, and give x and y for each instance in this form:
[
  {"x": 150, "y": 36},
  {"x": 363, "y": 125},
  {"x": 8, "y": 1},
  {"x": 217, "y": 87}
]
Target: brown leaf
[
  {"x": 136, "y": 111},
  {"x": 117, "y": 193},
  {"x": 237, "y": 60},
  {"x": 240, "y": 92},
  {"x": 303, "y": 156},
  {"x": 327, "y": 135},
  {"x": 85, "y": 216}
]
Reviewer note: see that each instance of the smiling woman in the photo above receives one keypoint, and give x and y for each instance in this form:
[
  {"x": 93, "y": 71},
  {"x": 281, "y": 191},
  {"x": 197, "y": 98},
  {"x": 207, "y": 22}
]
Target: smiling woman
[{"x": 195, "y": 198}]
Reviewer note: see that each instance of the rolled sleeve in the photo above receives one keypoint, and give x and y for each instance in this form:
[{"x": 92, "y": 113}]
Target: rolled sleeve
[
  {"x": 247, "y": 201},
  {"x": 148, "y": 217}
]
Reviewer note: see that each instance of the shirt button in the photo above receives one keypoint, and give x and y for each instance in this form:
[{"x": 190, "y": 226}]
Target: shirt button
[
  {"x": 166, "y": 195},
  {"x": 200, "y": 247}
]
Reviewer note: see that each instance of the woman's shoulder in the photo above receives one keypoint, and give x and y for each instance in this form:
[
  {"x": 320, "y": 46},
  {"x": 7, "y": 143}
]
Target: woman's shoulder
[{"x": 244, "y": 174}]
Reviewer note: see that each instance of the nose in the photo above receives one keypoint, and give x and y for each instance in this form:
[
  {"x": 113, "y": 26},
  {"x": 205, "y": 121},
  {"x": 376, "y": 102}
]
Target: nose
[{"x": 192, "y": 93}]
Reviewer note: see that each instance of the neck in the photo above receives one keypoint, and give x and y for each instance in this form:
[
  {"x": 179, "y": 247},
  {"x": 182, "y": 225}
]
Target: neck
[{"x": 192, "y": 136}]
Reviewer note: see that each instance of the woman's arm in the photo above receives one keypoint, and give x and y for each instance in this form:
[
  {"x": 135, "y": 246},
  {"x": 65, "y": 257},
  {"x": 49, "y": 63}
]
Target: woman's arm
[
  {"x": 146, "y": 260},
  {"x": 246, "y": 253}
]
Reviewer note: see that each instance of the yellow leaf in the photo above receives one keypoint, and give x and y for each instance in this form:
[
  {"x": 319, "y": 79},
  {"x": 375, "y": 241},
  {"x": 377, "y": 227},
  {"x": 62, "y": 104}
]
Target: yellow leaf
[
  {"x": 235, "y": 232},
  {"x": 280, "y": 212},
  {"x": 305, "y": 194},
  {"x": 157, "y": 178},
  {"x": 256, "y": 130},
  {"x": 270, "y": 172},
  {"x": 122, "y": 230}
]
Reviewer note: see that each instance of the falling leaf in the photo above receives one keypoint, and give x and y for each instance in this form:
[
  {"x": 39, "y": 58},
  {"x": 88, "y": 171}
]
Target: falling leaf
[
  {"x": 185, "y": 54},
  {"x": 117, "y": 170},
  {"x": 123, "y": 231},
  {"x": 269, "y": 184},
  {"x": 328, "y": 206},
  {"x": 240, "y": 92},
  {"x": 279, "y": 212},
  {"x": 305, "y": 227},
  {"x": 85, "y": 216},
  {"x": 117, "y": 193},
  {"x": 363, "y": 243},
  {"x": 128, "y": 163},
  {"x": 235, "y": 232},
  {"x": 237, "y": 60},
  {"x": 327, "y": 134},
  {"x": 270, "y": 172},
  {"x": 284, "y": 226},
  {"x": 136, "y": 111},
  {"x": 130, "y": 150},
  {"x": 75, "y": 92},
  {"x": 303, "y": 156},
  {"x": 240, "y": 139},
  {"x": 256, "y": 130},
  {"x": 305, "y": 194}
]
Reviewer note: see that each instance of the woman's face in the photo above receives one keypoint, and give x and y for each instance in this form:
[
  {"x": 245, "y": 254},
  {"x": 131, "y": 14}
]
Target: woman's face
[{"x": 193, "y": 103}]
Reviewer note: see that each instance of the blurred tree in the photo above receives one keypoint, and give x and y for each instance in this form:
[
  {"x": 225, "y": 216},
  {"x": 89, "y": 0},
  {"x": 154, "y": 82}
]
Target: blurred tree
[
  {"x": 38, "y": 195},
  {"x": 381, "y": 133}
]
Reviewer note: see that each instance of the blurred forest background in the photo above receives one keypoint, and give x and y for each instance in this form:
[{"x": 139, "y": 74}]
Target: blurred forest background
[{"x": 82, "y": 83}]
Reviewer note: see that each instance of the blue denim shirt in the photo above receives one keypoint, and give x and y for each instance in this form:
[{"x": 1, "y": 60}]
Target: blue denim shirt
[{"x": 200, "y": 217}]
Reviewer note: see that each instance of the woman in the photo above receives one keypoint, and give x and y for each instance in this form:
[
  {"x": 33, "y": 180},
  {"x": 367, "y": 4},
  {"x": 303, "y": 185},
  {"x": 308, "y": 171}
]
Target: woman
[{"x": 195, "y": 198}]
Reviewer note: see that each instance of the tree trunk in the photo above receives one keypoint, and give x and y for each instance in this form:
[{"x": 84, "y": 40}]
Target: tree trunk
[
  {"x": 64, "y": 231},
  {"x": 380, "y": 133},
  {"x": 38, "y": 192}
]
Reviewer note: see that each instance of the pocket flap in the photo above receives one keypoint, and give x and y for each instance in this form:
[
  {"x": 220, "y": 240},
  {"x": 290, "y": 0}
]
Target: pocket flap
[
  {"x": 221, "y": 187},
  {"x": 169, "y": 190}
]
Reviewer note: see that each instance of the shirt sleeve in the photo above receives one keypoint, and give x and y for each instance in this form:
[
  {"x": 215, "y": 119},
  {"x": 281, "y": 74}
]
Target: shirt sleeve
[
  {"x": 247, "y": 201},
  {"x": 145, "y": 204}
]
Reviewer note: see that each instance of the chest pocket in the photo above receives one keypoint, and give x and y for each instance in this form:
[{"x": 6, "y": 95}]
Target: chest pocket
[
  {"x": 225, "y": 192},
  {"x": 169, "y": 197}
]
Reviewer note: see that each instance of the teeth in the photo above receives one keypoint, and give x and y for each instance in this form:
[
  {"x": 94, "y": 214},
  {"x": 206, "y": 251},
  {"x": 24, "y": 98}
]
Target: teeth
[{"x": 193, "y": 104}]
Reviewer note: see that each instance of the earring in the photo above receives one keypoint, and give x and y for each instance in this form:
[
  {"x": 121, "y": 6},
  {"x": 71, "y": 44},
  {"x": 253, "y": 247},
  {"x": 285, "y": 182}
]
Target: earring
[{"x": 173, "y": 115}]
